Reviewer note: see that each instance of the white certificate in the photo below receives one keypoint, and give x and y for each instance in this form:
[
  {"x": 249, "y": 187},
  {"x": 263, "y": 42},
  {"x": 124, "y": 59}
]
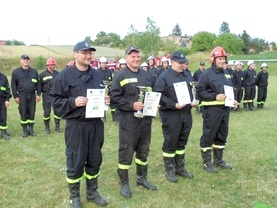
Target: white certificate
[
  {"x": 151, "y": 102},
  {"x": 96, "y": 104},
  {"x": 229, "y": 92},
  {"x": 182, "y": 93}
]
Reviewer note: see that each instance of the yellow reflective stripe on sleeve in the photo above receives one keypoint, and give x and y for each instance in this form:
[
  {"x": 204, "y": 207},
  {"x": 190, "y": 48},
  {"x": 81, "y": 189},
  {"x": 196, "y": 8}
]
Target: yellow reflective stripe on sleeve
[
  {"x": 46, "y": 78},
  {"x": 72, "y": 181},
  {"x": 206, "y": 148},
  {"x": 228, "y": 76},
  {"x": 218, "y": 146},
  {"x": 3, "y": 88},
  {"x": 207, "y": 103},
  {"x": 123, "y": 167},
  {"x": 168, "y": 154},
  {"x": 140, "y": 162},
  {"x": 35, "y": 80},
  {"x": 126, "y": 81},
  {"x": 180, "y": 152},
  {"x": 90, "y": 176}
]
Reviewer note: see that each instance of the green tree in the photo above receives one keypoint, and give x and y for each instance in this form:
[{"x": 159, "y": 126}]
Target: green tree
[
  {"x": 176, "y": 30},
  {"x": 150, "y": 41},
  {"x": 102, "y": 39},
  {"x": 247, "y": 42},
  {"x": 203, "y": 41},
  {"x": 231, "y": 43},
  {"x": 224, "y": 28},
  {"x": 14, "y": 42},
  {"x": 115, "y": 40},
  {"x": 132, "y": 37},
  {"x": 40, "y": 63},
  {"x": 258, "y": 45},
  {"x": 88, "y": 40}
]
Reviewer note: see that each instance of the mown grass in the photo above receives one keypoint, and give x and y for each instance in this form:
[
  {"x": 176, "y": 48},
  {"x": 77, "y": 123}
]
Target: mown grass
[{"x": 33, "y": 169}]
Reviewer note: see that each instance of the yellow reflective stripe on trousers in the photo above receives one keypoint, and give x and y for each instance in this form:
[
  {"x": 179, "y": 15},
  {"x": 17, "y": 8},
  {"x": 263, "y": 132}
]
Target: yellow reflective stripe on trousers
[
  {"x": 207, "y": 103},
  {"x": 90, "y": 176},
  {"x": 126, "y": 81},
  {"x": 123, "y": 167},
  {"x": 218, "y": 146},
  {"x": 180, "y": 152},
  {"x": 71, "y": 181},
  {"x": 168, "y": 154},
  {"x": 140, "y": 162},
  {"x": 204, "y": 149}
]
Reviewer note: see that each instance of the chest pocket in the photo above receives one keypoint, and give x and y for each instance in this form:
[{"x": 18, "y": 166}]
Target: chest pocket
[{"x": 73, "y": 90}]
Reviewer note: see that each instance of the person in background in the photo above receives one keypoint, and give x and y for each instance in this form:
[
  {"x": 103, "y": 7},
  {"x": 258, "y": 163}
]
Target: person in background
[
  {"x": 70, "y": 63},
  {"x": 134, "y": 132},
  {"x": 248, "y": 83},
  {"x": 151, "y": 67},
  {"x": 211, "y": 92},
  {"x": 164, "y": 66},
  {"x": 84, "y": 137},
  {"x": 196, "y": 76},
  {"x": 176, "y": 119},
  {"x": 5, "y": 95},
  {"x": 47, "y": 78},
  {"x": 262, "y": 83},
  {"x": 230, "y": 66},
  {"x": 144, "y": 66},
  {"x": 107, "y": 76},
  {"x": 237, "y": 83},
  {"x": 26, "y": 92}
]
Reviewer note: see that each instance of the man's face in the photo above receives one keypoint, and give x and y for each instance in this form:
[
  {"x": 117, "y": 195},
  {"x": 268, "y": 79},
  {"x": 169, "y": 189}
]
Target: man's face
[
  {"x": 133, "y": 59},
  {"x": 151, "y": 62},
  {"x": 83, "y": 57},
  {"x": 25, "y": 62},
  {"x": 220, "y": 62},
  {"x": 51, "y": 67}
]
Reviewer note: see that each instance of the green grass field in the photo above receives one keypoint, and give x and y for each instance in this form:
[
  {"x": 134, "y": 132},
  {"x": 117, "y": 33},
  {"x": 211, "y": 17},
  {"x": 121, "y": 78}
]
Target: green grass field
[{"x": 33, "y": 169}]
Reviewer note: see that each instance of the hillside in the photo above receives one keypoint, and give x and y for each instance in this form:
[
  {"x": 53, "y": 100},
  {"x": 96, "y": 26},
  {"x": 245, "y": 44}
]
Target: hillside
[{"x": 57, "y": 51}]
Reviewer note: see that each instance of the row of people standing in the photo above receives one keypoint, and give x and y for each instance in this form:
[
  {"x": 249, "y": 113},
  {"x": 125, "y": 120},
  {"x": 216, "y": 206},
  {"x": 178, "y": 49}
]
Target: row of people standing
[{"x": 245, "y": 82}]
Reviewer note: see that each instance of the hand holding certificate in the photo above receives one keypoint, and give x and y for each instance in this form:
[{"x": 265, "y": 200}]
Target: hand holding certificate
[
  {"x": 95, "y": 106},
  {"x": 151, "y": 103},
  {"x": 182, "y": 93},
  {"x": 229, "y": 92}
]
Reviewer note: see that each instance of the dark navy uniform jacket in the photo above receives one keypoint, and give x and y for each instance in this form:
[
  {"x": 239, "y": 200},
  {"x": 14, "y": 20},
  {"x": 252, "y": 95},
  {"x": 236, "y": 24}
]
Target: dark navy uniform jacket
[
  {"x": 68, "y": 85},
  {"x": 249, "y": 77},
  {"x": 106, "y": 74},
  {"x": 124, "y": 92},
  {"x": 164, "y": 84},
  {"x": 47, "y": 79},
  {"x": 237, "y": 79},
  {"x": 262, "y": 79},
  {"x": 5, "y": 92},
  {"x": 211, "y": 83},
  {"x": 24, "y": 80}
]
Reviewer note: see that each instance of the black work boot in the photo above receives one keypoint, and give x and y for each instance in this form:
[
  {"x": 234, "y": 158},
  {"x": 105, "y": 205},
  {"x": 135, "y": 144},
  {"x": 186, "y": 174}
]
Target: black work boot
[
  {"x": 207, "y": 161},
  {"x": 57, "y": 125},
  {"x": 92, "y": 193},
  {"x": 180, "y": 167},
  {"x": 142, "y": 177},
  {"x": 47, "y": 126},
  {"x": 31, "y": 130},
  {"x": 25, "y": 130},
  {"x": 5, "y": 134},
  {"x": 169, "y": 164},
  {"x": 218, "y": 161},
  {"x": 74, "y": 198},
  {"x": 251, "y": 106},
  {"x": 124, "y": 183}
]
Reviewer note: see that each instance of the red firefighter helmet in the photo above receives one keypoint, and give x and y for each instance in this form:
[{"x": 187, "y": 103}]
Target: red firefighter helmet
[
  {"x": 217, "y": 52},
  {"x": 51, "y": 61}
]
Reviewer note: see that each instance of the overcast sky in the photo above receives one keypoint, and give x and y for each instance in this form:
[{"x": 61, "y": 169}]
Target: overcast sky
[{"x": 61, "y": 22}]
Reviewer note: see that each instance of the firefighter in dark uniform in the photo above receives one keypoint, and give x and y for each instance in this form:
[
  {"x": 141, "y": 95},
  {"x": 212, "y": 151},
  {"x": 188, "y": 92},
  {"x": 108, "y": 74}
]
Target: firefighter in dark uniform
[
  {"x": 107, "y": 76},
  {"x": 5, "y": 96},
  {"x": 176, "y": 119},
  {"x": 248, "y": 83},
  {"x": 215, "y": 114},
  {"x": 84, "y": 137},
  {"x": 237, "y": 83},
  {"x": 134, "y": 132},
  {"x": 151, "y": 67},
  {"x": 25, "y": 90},
  {"x": 47, "y": 78},
  {"x": 262, "y": 83}
]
